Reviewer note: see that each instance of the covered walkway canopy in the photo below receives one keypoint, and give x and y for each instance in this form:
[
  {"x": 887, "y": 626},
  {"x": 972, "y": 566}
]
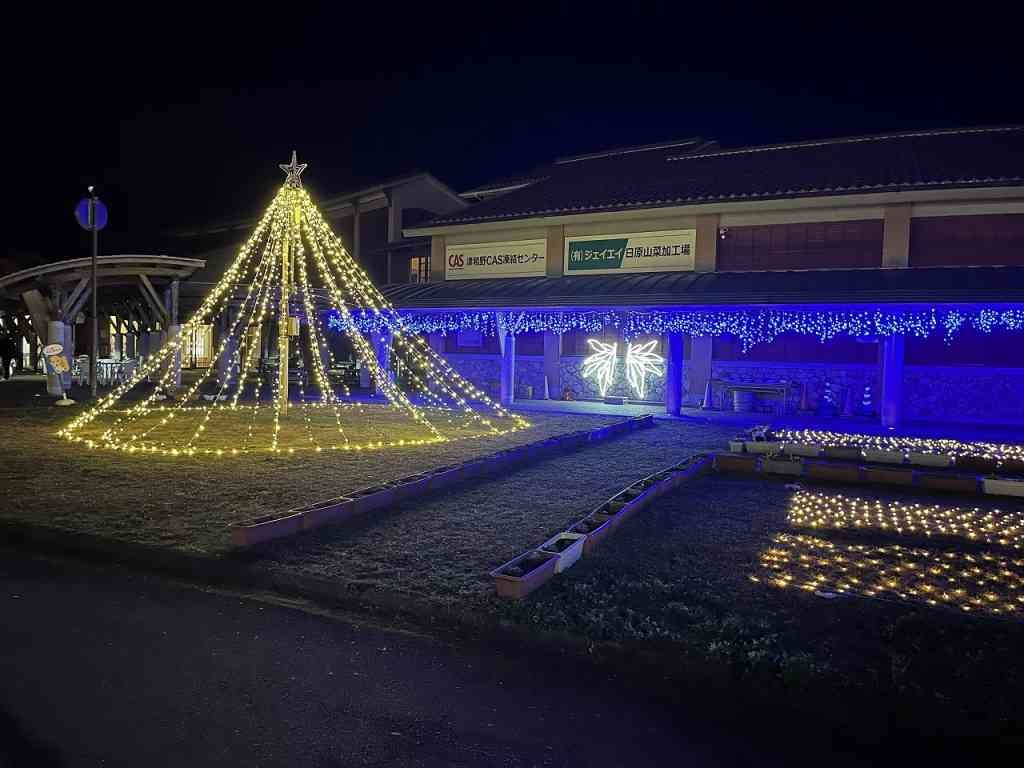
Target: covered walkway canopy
[{"x": 43, "y": 303}]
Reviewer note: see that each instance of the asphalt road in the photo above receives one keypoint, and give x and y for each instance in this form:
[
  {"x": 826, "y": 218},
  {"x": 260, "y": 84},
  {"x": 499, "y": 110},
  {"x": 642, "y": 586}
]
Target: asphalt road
[{"x": 103, "y": 668}]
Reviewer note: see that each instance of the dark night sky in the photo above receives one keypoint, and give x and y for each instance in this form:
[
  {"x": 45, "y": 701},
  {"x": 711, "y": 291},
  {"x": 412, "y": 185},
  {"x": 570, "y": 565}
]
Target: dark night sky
[{"x": 180, "y": 117}]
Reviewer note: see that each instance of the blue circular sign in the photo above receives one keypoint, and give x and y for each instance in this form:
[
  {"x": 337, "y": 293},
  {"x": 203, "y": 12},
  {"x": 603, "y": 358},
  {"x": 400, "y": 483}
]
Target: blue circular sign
[{"x": 91, "y": 214}]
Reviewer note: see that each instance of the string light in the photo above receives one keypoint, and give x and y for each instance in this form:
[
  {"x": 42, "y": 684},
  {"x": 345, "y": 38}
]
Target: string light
[
  {"x": 750, "y": 326},
  {"x": 290, "y": 242},
  {"x": 970, "y": 582},
  {"x": 835, "y": 511},
  {"x": 1002, "y": 452}
]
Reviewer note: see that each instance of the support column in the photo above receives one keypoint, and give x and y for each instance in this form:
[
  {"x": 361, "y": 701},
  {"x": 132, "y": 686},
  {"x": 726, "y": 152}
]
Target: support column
[
  {"x": 891, "y": 359},
  {"x": 173, "y": 332},
  {"x": 507, "y": 377},
  {"x": 382, "y": 350},
  {"x": 553, "y": 365},
  {"x": 896, "y": 235},
  {"x": 437, "y": 258},
  {"x": 555, "y": 251},
  {"x": 698, "y": 373},
  {"x": 226, "y": 367},
  {"x": 674, "y": 375}
]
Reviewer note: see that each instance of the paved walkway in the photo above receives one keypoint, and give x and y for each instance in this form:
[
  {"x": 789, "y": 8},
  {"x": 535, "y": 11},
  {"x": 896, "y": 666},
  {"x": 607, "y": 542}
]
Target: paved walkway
[{"x": 106, "y": 668}]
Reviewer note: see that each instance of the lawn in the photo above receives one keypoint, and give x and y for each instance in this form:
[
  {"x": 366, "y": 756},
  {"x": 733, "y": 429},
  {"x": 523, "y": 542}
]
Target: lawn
[
  {"x": 442, "y": 548},
  {"x": 698, "y": 576},
  {"x": 188, "y": 502}
]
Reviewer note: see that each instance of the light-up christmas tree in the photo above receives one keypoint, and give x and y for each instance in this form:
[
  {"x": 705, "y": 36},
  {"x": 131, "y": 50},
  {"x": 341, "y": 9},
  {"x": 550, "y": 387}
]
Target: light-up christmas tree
[{"x": 291, "y": 269}]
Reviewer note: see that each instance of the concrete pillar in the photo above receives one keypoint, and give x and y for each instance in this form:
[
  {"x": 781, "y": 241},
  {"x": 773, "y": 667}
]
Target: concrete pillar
[
  {"x": 553, "y": 364},
  {"x": 706, "y": 257},
  {"x": 556, "y": 251},
  {"x": 698, "y": 370},
  {"x": 174, "y": 333},
  {"x": 437, "y": 258},
  {"x": 896, "y": 235},
  {"x": 891, "y": 359},
  {"x": 507, "y": 377},
  {"x": 227, "y": 365},
  {"x": 382, "y": 349},
  {"x": 674, "y": 375}
]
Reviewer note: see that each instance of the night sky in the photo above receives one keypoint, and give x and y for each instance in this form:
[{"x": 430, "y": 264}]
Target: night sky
[{"x": 180, "y": 118}]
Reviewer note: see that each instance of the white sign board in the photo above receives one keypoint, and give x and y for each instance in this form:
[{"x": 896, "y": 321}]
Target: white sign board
[
  {"x": 667, "y": 251},
  {"x": 519, "y": 258},
  {"x": 53, "y": 349}
]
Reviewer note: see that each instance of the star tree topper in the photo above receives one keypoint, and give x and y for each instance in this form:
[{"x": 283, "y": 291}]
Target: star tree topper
[{"x": 294, "y": 170}]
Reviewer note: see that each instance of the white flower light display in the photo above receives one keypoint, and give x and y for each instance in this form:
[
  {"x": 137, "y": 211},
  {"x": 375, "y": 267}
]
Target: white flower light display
[
  {"x": 640, "y": 361},
  {"x": 601, "y": 364}
]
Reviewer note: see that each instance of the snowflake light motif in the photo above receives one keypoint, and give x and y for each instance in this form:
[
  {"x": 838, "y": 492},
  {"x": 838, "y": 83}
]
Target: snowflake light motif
[
  {"x": 640, "y": 361},
  {"x": 601, "y": 364}
]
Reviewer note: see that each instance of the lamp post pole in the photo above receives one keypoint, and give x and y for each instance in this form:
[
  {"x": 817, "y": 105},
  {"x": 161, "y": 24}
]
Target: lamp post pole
[{"x": 94, "y": 350}]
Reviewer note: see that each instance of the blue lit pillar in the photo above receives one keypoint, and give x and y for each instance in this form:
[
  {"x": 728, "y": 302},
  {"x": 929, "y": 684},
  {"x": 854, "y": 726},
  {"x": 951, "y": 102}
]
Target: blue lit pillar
[
  {"x": 507, "y": 342},
  {"x": 674, "y": 375},
  {"x": 382, "y": 351},
  {"x": 891, "y": 358},
  {"x": 553, "y": 364}
]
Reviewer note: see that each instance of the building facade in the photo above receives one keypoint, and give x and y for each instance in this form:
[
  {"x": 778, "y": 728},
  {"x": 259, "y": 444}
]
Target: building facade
[{"x": 880, "y": 276}]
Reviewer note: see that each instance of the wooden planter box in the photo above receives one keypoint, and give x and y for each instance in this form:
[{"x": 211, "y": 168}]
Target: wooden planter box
[
  {"x": 323, "y": 512},
  {"x": 762, "y": 446},
  {"x": 834, "y": 473},
  {"x": 802, "y": 449},
  {"x": 1001, "y": 486},
  {"x": 596, "y": 526},
  {"x": 442, "y": 477},
  {"x": 518, "y": 587},
  {"x": 843, "y": 453},
  {"x": 368, "y": 499},
  {"x": 936, "y": 481},
  {"x": 782, "y": 467},
  {"x": 929, "y": 459},
  {"x": 889, "y": 475},
  {"x": 568, "y": 556},
  {"x": 410, "y": 487},
  {"x": 976, "y": 465},
  {"x": 1012, "y": 467},
  {"x": 736, "y": 462},
  {"x": 883, "y": 457},
  {"x": 266, "y": 529}
]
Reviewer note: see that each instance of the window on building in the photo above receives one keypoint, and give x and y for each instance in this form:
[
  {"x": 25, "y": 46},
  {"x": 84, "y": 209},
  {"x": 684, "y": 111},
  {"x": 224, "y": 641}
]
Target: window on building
[
  {"x": 530, "y": 344},
  {"x": 821, "y": 245},
  {"x": 199, "y": 349},
  {"x": 419, "y": 269},
  {"x": 470, "y": 343},
  {"x": 967, "y": 240},
  {"x": 798, "y": 348},
  {"x": 968, "y": 347}
]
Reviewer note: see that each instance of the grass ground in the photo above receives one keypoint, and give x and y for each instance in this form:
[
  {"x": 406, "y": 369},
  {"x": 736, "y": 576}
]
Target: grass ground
[
  {"x": 442, "y": 548},
  {"x": 187, "y": 502},
  {"x": 677, "y": 578}
]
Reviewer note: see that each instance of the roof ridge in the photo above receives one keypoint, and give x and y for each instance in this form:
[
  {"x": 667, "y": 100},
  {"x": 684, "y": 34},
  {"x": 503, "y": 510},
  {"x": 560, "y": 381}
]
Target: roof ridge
[
  {"x": 628, "y": 150},
  {"x": 849, "y": 140}
]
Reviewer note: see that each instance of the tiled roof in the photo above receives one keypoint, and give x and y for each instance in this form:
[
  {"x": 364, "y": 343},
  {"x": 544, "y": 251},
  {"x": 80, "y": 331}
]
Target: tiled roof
[
  {"x": 929, "y": 285},
  {"x": 663, "y": 177}
]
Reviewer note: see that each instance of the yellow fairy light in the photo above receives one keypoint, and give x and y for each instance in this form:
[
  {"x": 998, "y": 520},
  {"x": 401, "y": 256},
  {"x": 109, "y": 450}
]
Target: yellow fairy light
[{"x": 291, "y": 225}]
